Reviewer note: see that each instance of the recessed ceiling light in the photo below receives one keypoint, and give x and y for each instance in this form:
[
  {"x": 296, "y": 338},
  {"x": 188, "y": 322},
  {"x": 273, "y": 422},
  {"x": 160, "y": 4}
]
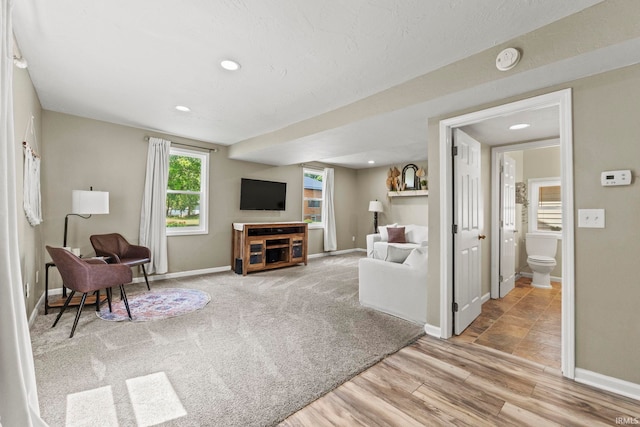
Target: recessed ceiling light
[
  {"x": 183, "y": 108},
  {"x": 519, "y": 126},
  {"x": 371, "y": 162},
  {"x": 230, "y": 65}
]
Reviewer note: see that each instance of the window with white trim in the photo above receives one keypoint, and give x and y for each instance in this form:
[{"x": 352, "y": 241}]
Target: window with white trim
[
  {"x": 545, "y": 206},
  {"x": 312, "y": 197},
  {"x": 187, "y": 204}
]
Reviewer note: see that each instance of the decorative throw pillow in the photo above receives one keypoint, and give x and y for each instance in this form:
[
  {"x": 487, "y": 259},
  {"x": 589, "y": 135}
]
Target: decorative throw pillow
[
  {"x": 384, "y": 236},
  {"x": 396, "y": 235},
  {"x": 417, "y": 234},
  {"x": 417, "y": 257},
  {"x": 397, "y": 253}
]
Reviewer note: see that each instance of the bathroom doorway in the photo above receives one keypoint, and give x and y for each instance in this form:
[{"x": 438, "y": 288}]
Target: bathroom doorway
[
  {"x": 561, "y": 100},
  {"x": 520, "y": 318}
]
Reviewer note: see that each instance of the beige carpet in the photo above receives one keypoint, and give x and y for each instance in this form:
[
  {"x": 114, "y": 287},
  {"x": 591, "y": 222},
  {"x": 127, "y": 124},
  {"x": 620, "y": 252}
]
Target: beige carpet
[{"x": 266, "y": 345}]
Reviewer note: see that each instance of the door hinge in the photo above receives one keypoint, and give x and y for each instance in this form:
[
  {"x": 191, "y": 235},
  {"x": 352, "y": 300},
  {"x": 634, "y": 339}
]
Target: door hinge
[
  {"x": 501, "y": 278},
  {"x": 454, "y": 151},
  {"x": 455, "y": 307},
  {"x": 454, "y": 228}
]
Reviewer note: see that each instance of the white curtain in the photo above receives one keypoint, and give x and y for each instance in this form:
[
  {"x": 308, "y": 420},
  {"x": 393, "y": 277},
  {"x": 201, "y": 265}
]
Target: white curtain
[
  {"x": 328, "y": 212},
  {"x": 19, "y": 401},
  {"x": 153, "y": 232}
]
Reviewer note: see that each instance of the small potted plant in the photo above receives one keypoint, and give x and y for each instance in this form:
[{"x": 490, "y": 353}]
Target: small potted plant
[{"x": 421, "y": 174}]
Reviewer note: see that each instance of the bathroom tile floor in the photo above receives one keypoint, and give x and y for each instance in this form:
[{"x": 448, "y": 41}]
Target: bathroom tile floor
[{"x": 525, "y": 323}]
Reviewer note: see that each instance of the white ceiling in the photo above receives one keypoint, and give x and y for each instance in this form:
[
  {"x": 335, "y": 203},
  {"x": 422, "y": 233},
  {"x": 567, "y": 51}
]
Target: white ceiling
[
  {"x": 544, "y": 124},
  {"x": 131, "y": 63}
]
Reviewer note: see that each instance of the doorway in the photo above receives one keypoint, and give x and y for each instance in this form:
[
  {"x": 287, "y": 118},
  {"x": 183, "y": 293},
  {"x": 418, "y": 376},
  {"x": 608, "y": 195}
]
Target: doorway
[{"x": 561, "y": 100}]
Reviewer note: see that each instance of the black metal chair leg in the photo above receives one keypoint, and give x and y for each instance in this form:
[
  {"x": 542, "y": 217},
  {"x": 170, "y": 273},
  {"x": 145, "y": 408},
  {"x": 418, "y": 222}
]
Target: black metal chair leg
[
  {"x": 98, "y": 300},
  {"x": 125, "y": 300},
  {"x": 64, "y": 307},
  {"x": 144, "y": 271},
  {"x": 75, "y": 322},
  {"x": 109, "y": 294}
]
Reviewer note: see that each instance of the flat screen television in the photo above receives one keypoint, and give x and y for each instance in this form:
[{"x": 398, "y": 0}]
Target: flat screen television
[{"x": 257, "y": 195}]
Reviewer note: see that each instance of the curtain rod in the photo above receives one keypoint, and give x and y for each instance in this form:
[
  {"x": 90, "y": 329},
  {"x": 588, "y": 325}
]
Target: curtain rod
[{"x": 215, "y": 150}]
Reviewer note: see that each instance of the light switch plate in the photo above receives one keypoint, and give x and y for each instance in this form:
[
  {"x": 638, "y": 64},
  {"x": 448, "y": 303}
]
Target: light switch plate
[{"x": 591, "y": 218}]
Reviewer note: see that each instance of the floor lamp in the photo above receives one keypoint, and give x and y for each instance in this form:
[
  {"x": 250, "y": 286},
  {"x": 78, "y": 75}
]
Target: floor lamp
[
  {"x": 375, "y": 207},
  {"x": 86, "y": 203}
]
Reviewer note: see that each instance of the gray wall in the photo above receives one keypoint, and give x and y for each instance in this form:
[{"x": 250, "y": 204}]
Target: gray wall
[
  {"x": 30, "y": 239},
  {"x": 401, "y": 210},
  {"x": 83, "y": 153},
  {"x": 605, "y": 137}
]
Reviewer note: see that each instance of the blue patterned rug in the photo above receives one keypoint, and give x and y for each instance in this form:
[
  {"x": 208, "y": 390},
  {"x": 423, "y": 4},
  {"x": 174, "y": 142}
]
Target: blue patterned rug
[{"x": 155, "y": 304}]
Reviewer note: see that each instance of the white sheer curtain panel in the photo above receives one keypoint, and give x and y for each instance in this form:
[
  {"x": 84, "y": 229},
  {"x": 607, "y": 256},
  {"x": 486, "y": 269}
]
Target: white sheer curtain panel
[
  {"x": 153, "y": 228},
  {"x": 19, "y": 396},
  {"x": 328, "y": 212}
]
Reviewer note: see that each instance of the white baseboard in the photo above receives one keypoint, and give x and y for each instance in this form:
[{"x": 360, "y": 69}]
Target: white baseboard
[
  {"x": 34, "y": 312},
  {"x": 486, "y": 297},
  {"x": 433, "y": 331},
  {"x": 332, "y": 253},
  {"x": 604, "y": 382},
  {"x": 179, "y": 274}
]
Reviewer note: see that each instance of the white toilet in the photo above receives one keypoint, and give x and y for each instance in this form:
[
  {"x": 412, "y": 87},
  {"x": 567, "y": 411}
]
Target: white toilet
[{"x": 541, "y": 252}]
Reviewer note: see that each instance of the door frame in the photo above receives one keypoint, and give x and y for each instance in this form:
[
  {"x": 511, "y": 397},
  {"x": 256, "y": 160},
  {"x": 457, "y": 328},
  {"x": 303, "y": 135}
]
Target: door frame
[
  {"x": 496, "y": 190},
  {"x": 561, "y": 99}
]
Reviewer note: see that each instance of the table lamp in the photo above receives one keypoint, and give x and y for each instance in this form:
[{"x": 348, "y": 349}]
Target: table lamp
[
  {"x": 86, "y": 203},
  {"x": 375, "y": 207}
]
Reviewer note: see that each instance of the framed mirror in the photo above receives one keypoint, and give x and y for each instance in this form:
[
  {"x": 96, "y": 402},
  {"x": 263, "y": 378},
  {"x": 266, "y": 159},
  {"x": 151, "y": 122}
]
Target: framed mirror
[{"x": 409, "y": 177}]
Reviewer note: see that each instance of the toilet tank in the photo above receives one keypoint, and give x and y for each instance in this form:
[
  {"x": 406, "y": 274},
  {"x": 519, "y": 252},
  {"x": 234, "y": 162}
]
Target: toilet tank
[{"x": 541, "y": 244}]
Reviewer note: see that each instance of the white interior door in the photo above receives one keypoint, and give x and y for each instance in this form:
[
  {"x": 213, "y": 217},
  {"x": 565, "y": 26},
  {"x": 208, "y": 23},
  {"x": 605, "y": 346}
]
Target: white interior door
[
  {"x": 468, "y": 227},
  {"x": 507, "y": 225}
]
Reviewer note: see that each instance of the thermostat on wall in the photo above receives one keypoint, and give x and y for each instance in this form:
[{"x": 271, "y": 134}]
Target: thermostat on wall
[{"x": 622, "y": 177}]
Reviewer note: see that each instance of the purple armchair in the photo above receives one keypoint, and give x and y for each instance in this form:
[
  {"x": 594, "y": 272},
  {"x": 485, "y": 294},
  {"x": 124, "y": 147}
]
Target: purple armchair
[
  {"x": 88, "y": 277},
  {"x": 121, "y": 252}
]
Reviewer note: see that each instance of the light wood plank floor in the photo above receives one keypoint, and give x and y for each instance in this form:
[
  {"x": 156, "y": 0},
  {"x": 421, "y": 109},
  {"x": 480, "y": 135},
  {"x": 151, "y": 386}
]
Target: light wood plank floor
[{"x": 436, "y": 382}]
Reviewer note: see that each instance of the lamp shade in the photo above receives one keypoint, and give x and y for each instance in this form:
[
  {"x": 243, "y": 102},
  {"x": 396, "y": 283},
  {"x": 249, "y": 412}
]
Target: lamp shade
[
  {"x": 89, "y": 202},
  {"x": 375, "y": 206}
]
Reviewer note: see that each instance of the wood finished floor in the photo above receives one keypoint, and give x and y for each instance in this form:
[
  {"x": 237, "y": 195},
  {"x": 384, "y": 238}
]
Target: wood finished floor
[
  {"x": 435, "y": 382},
  {"x": 525, "y": 323}
]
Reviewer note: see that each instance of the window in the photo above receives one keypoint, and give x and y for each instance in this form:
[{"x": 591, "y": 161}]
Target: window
[
  {"x": 546, "y": 205},
  {"x": 312, "y": 197},
  {"x": 187, "y": 192}
]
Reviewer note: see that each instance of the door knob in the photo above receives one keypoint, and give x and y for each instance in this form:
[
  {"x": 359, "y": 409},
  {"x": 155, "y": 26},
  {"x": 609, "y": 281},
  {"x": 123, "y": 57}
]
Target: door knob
[{"x": 481, "y": 237}]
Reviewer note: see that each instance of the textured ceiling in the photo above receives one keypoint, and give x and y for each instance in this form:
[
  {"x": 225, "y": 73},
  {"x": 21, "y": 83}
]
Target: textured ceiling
[{"x": 131, "y": 63}]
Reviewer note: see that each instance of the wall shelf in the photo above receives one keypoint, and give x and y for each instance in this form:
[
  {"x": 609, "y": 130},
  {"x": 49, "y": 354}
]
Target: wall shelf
[{"x": 408, "y": 193}]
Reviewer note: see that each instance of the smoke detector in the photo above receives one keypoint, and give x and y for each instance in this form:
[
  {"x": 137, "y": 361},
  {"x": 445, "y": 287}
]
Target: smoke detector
[{"x": 507, "y": 59}]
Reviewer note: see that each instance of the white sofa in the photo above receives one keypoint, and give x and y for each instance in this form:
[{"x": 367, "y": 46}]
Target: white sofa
[
  {"x": 399, "y": 289},
  {"x": 379, "y": 247}
]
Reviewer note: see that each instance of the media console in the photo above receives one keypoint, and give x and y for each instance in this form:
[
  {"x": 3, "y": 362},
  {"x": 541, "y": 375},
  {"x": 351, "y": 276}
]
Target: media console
[{"x": 261, "y": 246}]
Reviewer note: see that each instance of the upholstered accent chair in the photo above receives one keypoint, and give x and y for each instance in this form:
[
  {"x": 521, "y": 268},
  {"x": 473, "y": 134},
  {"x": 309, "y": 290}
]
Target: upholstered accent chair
[
  {"x": 119, "y": 251},
  {"x": 88, "y": 276}
]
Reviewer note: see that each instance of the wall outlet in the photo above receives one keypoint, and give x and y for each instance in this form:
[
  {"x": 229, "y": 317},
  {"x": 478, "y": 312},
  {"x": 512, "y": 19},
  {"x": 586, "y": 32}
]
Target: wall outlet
[
  {"x": 37, "y": 276},
  {"x": 353, "y": 238},
  {"x": 26, "y": 290},
  {"x": 591, "y": 218}
]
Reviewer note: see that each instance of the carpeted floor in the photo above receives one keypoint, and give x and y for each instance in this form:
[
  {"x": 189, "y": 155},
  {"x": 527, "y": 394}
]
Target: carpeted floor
[{"x": 266, "y": 345}]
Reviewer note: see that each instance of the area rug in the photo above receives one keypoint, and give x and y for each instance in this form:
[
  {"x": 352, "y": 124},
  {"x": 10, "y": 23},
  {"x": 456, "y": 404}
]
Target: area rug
[{"x": 156, "y": 304}]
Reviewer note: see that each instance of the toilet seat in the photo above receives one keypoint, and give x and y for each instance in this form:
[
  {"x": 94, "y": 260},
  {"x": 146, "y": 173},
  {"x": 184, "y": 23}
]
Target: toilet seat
[{"x": 541, "y": 259}]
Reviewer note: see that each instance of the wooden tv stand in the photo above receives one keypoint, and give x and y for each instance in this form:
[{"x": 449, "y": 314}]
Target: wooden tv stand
[{"x": 262, "y": 246}]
